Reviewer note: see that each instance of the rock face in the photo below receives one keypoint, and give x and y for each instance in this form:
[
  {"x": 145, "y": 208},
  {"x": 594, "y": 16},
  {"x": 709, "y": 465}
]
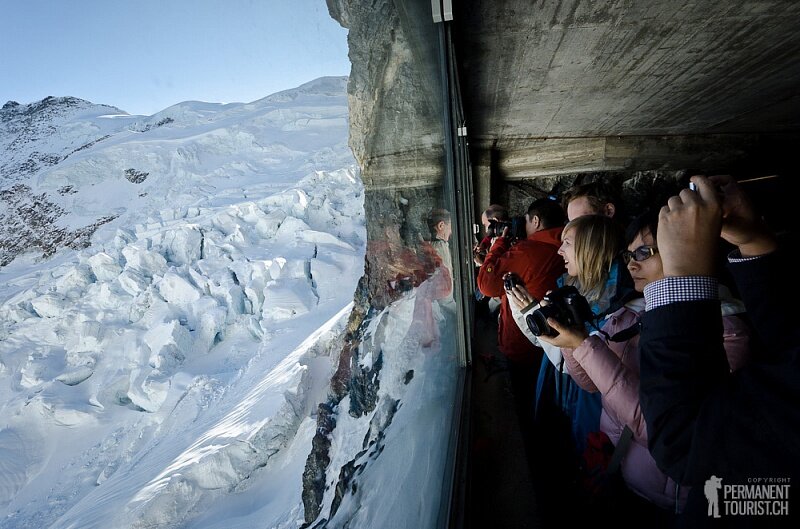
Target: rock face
[
  {"x": 26, "y": 130},
  {"x": 396, "y": 136},
  {"x": 32, "y": 139},
  {"x": 28, "y": 220},
  {"x": 395, "y": 105}
]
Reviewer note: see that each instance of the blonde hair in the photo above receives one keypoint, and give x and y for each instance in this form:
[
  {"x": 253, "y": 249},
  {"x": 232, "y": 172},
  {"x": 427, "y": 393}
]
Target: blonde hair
[{"x": 598, "y": 240}]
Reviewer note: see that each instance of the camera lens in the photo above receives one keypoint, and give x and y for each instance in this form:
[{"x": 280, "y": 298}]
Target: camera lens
[{"x": 537, "y": 321}]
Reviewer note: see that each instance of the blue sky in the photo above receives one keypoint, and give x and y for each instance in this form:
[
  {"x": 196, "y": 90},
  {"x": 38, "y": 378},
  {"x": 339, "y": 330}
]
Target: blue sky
[{"x": 145, "y": 55}]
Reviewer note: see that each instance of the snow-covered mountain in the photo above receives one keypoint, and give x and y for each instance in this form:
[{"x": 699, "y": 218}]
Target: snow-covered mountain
[
  {"x": 173, "y": 294},
  {"x": 68, "y": 166}
]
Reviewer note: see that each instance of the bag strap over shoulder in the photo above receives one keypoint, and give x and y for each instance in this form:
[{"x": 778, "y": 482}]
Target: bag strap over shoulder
[
  {"x": 619, "y": 451},
  {"x": 626, "y": 334}
]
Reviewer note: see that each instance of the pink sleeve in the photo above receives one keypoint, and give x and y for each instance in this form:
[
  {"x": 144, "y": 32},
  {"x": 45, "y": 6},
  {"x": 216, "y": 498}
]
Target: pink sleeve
[
  {"x": 576, "y": 370},
  {"x": 618, "y": 383}
]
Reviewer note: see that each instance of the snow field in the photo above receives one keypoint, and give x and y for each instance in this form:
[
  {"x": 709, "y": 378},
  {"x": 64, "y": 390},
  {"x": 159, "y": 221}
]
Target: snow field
[{"x": 172, "y": 339}]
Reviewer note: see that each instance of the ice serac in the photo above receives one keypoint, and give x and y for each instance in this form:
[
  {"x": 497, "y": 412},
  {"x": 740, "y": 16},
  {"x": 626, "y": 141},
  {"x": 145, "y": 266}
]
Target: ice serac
[{"x": 170, "y": 367}]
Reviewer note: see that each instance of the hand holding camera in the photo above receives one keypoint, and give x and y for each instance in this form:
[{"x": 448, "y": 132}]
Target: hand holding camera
[
  {"x": 516, "y": 291},
  {"x": 479, "y": 254},
  {"x": 560, "y": 320},
  {"x": 741, "y": 225},
  {"x": 510, "y": 280},
  {"x": 688, "y": 230},
  {"x": 513, "y": 229}
]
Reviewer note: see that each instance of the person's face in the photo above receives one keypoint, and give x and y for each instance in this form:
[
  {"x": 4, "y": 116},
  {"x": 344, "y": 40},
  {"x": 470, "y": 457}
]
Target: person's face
[
  {"x": 485, "y": 222},
  {"x": 580, "y": 207},
  {"x": 531, "y": 224},
  {"x": 649, "y": 270},
  {"x": 567, "y": 252},
  {"x": 445, "y": 229}
]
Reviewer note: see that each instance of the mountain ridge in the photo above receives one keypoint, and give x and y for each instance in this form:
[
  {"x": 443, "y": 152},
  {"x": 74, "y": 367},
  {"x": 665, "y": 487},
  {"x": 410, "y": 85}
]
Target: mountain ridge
[{"x": 60, "y": 148}]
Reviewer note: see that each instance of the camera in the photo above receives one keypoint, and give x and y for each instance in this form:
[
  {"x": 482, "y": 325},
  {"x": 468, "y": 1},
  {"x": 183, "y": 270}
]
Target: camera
[
  {"x": 516, "y": 228},
  {"x": 511, "y": 280},
  {"x": 565, "y": 305}
]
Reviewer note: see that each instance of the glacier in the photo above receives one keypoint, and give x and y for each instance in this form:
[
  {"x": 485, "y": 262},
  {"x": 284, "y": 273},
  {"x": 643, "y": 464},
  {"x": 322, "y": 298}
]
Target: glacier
[
  {"x": 185, "y": 335},
  {"x": 177, "y": 354}
]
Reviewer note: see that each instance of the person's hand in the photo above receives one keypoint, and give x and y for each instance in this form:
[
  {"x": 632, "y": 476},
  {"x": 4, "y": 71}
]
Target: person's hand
[
  {"x": 505, "y": 234},
  {"x": 478, "y": 255},
  {"x": 741, "y": 225},
  {"x": 519, "y": 296},
  {"x": 571, "y": 337},
  {"x": 688, "y": 230}
]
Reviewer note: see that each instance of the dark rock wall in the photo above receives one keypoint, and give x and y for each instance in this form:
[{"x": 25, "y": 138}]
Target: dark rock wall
[
  {"x": 636, "y": 191},
  {"x": 395, "y": 107},
  {"x": 396, "y": 137}
]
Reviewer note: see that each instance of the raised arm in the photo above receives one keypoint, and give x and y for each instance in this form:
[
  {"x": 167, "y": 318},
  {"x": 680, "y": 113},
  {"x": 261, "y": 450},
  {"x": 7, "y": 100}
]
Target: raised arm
[
  {"x": 490, "y": 275},
  {"x": 700, "y": 418}
]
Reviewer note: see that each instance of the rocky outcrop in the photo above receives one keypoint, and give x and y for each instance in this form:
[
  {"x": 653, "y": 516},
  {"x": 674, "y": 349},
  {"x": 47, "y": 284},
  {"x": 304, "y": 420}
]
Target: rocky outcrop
[
  {"x": 24, "y": 127},
  {"x": 317, "y": 462},
  {"x": 396, "y": 136},
  {"x": 314, "y": 475},
  {"x": 135, "y": 177},
  {"x": 28, "y": 221},
  {"x": 395, "y": 106}
]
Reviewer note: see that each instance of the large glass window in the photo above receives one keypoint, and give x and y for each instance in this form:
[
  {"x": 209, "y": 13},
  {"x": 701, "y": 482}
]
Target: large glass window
[
  {"x": 402, "y": 367},
  {"x": 222, "y": 314}
]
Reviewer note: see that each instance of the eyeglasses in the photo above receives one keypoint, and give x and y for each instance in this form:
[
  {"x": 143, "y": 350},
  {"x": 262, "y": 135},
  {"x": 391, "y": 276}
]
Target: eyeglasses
[{"x": 642, "y": 253}]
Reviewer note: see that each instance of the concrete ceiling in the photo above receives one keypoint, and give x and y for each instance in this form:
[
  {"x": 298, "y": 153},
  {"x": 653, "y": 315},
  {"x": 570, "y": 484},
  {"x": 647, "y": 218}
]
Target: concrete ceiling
[{"x": 598, "y": 68}]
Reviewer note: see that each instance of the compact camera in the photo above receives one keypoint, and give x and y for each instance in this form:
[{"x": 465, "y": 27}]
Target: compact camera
[{"x": 565, "y": 305}]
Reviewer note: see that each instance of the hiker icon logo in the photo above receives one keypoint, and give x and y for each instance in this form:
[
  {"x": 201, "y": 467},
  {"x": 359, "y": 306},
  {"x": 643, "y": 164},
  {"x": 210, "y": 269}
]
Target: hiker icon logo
[{"x": 711, "y": 490}]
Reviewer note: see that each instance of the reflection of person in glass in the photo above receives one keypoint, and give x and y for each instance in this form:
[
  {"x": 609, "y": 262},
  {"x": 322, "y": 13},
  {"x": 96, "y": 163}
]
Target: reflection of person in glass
[
  {"x": 402, "y": 266},
  {"x": 433, "y": 283},
  {"x": 441, "y": 229}
]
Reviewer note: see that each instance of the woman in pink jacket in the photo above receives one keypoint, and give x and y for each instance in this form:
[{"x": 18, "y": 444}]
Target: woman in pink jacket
[{"x": 597, "y": 363}]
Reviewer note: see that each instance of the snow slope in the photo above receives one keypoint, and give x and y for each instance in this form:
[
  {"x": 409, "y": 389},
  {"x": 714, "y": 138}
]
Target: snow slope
[{"x": 171, "y": 306}]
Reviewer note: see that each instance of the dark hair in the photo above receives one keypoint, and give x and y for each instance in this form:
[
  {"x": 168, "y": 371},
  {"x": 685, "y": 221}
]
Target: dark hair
[
  {"x": 646, "y": 222},
  {"x": 435, "y": 217},
  {"x": 549, "y": 212},
  {"x": 597, "y": 192},
  {"x": 496, "y": 211}
]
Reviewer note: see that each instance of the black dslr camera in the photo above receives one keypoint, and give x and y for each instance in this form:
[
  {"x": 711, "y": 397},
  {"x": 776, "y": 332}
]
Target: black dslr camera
[
  {"x": 565, "y": 305},
  {"x": 516, "y": 228}
]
